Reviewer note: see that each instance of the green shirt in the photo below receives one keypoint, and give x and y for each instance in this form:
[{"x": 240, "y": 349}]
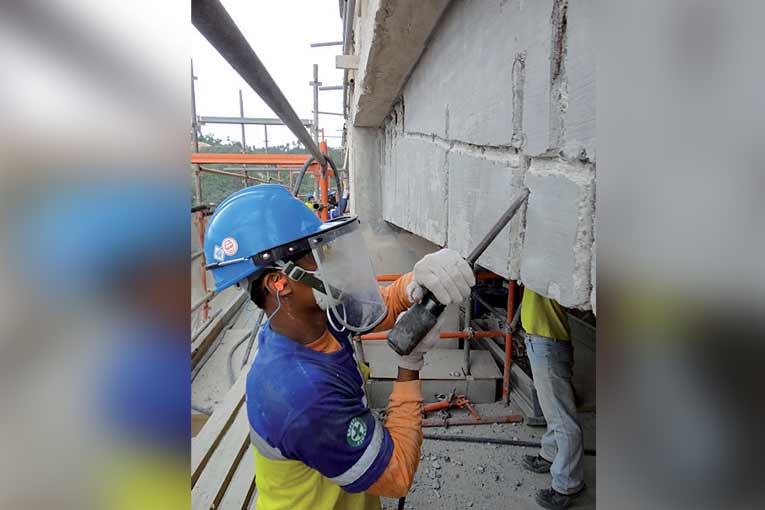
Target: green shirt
[{"x": 543, "y": 316}]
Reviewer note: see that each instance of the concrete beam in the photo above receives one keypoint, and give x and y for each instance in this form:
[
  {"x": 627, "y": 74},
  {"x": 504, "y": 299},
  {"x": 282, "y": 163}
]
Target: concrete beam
[{"x": 391, "y": 37}]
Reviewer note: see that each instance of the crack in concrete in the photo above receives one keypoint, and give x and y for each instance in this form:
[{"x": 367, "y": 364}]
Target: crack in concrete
[{"x": 488, "y": 152}]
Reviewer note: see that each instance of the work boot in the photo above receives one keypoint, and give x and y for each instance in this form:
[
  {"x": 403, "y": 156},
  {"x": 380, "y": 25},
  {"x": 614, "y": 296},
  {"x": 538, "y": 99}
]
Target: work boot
[
  {"x": 554, "y": 500},
  {"x": 536, "y": 464}
]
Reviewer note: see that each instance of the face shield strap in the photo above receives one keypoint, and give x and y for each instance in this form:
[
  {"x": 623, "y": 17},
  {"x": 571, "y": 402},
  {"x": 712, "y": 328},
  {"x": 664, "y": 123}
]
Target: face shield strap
[{"x": 297, "y": 273}]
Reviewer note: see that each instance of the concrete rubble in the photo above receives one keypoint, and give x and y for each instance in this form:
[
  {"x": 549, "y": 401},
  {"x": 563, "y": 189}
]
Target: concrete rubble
[{"x": 488, "y": 476}]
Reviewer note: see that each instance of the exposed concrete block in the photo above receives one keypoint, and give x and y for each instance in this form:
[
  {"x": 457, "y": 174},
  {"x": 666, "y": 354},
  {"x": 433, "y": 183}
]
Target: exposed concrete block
[
  {"x": 463, "y": 87},
  {"x": 415, "y": 180},
  {"x": 579, "y": 117},
  {"x": 480, "y": 190},
  {"x": 557, "y": 249}
]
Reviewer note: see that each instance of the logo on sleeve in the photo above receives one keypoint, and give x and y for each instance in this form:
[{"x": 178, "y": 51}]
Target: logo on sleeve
[{"x": 357, "y": 431}]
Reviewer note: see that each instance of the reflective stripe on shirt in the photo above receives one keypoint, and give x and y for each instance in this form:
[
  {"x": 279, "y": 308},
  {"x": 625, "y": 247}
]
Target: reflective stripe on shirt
[
  {"x": 264, "y": 448},
  {"x": 365, "y": 461}
]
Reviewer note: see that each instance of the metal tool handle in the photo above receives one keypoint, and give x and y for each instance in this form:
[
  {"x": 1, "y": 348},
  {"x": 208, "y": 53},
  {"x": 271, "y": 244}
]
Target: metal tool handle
[
  {"x": 495, "y": 230},
  {"x": 421, "y": 318}
]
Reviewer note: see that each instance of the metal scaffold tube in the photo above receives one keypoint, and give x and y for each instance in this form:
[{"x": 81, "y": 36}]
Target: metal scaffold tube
[
  {"x": 350, "y": 9},
  {"x": 215, "y": 24}
]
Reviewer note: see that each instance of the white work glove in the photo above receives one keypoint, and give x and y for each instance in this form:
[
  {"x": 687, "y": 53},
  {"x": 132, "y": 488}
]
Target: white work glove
[
  {"x": 444, "y": 273},
  {"x": 416, "y": 359}
]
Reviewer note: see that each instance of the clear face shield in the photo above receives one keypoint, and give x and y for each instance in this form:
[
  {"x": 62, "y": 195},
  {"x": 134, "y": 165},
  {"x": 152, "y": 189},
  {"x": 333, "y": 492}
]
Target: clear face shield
[{"x": 349, "y": 281}]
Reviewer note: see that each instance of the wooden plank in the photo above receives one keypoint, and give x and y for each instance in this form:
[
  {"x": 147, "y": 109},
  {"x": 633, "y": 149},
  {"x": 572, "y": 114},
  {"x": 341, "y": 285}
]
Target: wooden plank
[
  {"x": 198, "y": 421},
  {"x": 215, "y": 478},
  {"x": 242, "y": 486},
  {"x": 205, "y": 443},
  {"x": 201, "y": 344}
]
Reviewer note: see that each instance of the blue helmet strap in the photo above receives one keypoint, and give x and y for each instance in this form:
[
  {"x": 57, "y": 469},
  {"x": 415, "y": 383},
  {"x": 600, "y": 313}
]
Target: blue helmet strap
[{"x": 297, "y": 273}]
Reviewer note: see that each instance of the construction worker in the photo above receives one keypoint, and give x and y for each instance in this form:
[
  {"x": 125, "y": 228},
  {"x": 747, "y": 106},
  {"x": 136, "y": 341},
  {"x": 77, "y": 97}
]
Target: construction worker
[
  {"x": 309, "y": 201},
  {"x": 551, "y": 357},
  {"x": 334, "y": 210},
  {"x": 317, "y": 445}
]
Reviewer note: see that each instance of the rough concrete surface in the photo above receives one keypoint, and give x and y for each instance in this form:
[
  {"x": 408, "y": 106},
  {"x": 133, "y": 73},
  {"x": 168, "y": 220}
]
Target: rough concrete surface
[
  {"x": 480, "y": 191},
  {"x": 462, "y": 87},
  {"x": 557, "y": 249},
  {"x": 486, "y": 476},
  {"x": 416, "y": 175},
  {"x": 501, "y": 83},
  {"x": 579, "y": 116}
]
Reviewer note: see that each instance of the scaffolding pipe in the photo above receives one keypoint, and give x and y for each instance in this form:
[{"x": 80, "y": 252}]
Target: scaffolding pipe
[
  {"x": 492, "y": 440},
  {"x": 508, "y": 343},
  {"x": 216, "y": 25},
  {"x": 200, "y": 221},
  {"x": 469, "y": 330},
  {"x": 469, "y": 420},
  {"x": 257, "y": 121},
  {"x": 195, "y": 137},
  {"x": 321, "y": 44},
  {"x": 232, "y": 174},
  {"x": 315, "y": 84},
  {"x": 201, "y": 301},
  {"x": 443, "y": 335},
  {"x": 350, "y": 9}
]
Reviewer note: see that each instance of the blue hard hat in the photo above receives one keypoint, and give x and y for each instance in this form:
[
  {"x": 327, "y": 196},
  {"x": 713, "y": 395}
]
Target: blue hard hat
[
  {"x": 309, "y": 196},
  {"x": 251, "y": 221}
]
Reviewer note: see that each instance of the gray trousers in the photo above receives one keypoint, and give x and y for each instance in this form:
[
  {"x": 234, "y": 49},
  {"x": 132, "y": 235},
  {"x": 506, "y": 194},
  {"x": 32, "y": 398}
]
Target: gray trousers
[{"x": 551, "y": 365}]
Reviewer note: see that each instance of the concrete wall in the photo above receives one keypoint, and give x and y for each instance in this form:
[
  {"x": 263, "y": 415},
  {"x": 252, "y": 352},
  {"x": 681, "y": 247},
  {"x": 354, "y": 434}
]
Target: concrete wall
[{"x": 501, "y": 97}]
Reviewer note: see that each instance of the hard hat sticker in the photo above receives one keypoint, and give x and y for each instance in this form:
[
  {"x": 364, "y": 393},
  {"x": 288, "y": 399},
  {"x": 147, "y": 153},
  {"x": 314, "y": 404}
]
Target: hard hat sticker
[
  {"x": 230, "y": 246},
  {"x": 218, "y": 253}
]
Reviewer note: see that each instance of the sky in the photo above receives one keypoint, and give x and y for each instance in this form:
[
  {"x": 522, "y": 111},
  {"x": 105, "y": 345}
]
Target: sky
[{"x": 280, "y": 32}]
